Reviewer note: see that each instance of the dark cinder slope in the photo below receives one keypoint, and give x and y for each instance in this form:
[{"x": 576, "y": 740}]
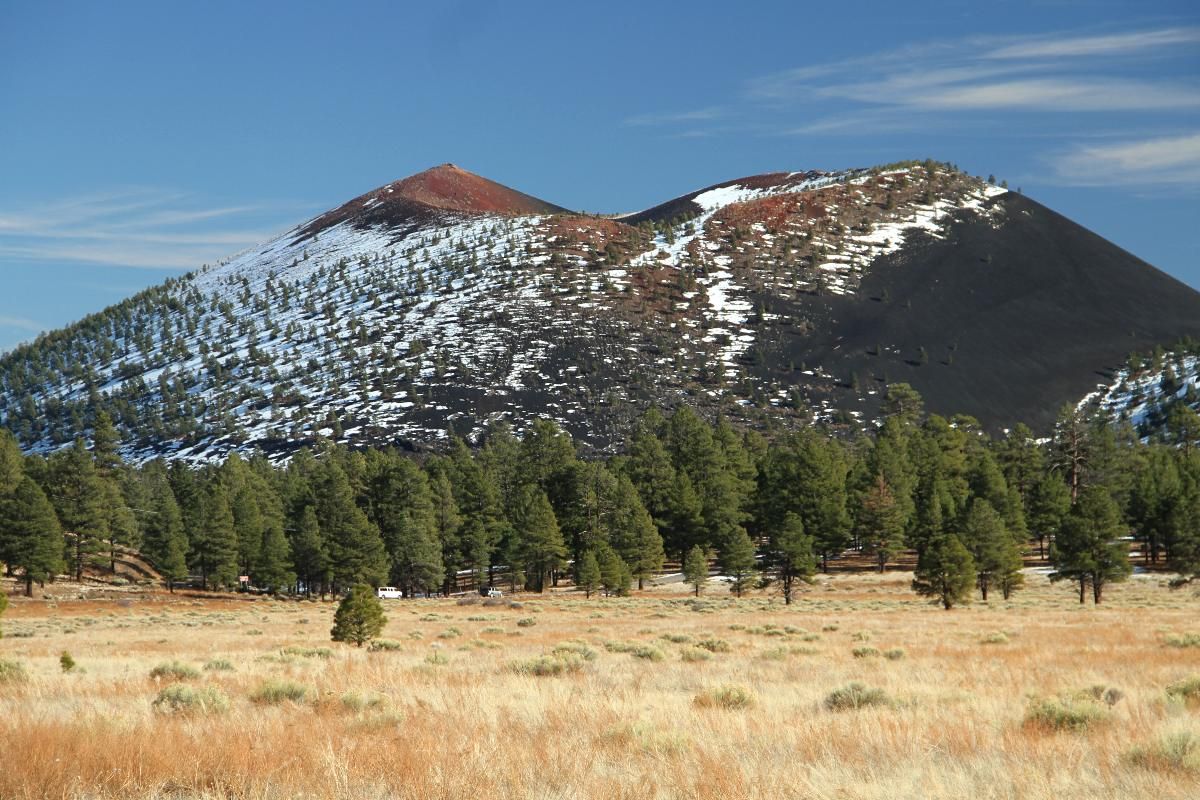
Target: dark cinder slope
[{"x": 1015, "y": 320}]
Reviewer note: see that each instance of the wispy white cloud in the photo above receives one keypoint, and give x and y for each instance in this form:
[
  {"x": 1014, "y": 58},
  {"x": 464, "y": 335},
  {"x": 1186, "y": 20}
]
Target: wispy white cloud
[
  {"x": 1087, "y": 46},
  {"x": 21, "y": 323},
  {"x": 1135, "y": 86},
  {"x": 1161, "y": 161},
  {"x": 668, "y": 117},
  {"x": 1038, "y": 94},
  {"x": 1046, "y": 74},
  {"x": 137, "y": 228}
]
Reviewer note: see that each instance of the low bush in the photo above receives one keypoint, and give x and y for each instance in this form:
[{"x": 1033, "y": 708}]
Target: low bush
[
  {"x": 636, "y": 649},
  {"x": 574, "y": 648},
  {"x": 1186, "y": 691},
  {"x": 729, "y": 697},
  {"x": 996, "y": 637},
  {"x": 557, "y": 664},
  {"x": 274, "y": 692},
  {"x": 1076, "y": 712},
  {"x": 1176, "y": 751},
  {"x": 693, "y": 655},
  {"x": 894, "y": 654},
  {"x": 218, "y": 665},
  {"x": 12, "y": 672},
  {"x": 308, "y": 652},
  {"x": 384, "y": 646},
  {"x": 1183, "y": 640},
  {"x": 362, "y": 701},
  {"x": 855, "y": 696},
  {"x": 526, "y": 622},
  {"x": 714, "y": 645},
  {"x": 175, "y": 670},
  {"x": 865, "y": 652},
  {"x": 180, "y": 698}
]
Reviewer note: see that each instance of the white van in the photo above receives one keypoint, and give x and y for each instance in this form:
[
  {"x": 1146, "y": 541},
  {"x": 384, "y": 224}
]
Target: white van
[{"x": 388, "y": 593}]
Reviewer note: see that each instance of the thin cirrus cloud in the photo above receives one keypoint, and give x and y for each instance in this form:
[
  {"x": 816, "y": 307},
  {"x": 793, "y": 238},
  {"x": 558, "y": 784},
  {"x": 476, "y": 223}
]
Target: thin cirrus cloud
[
  {"x": 1140, "y": 77},
  {"x": 666, "y": 118},
  {"x": 1161, "y": 160},
  {"x": 137, "y": 228},
  {"x": 1059, "y": 74},
  {"x": 21, "y": 323}
]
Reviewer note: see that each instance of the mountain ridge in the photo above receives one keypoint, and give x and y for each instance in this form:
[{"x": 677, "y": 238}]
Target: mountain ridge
[{"x": 779, "y": 300}]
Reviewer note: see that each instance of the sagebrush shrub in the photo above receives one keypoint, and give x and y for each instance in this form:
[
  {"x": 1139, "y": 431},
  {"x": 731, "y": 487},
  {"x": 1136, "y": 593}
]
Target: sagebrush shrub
[
  {"x": 181, "y": 698},
  {"x": 730, "y": 697},
  {"x": 275, "y": 691},
  {"x": 383, "y": 646},
  {"x": 559, "y": 664},
  {"x": 175, "y": 670},
  {"x": 1179, "y": 750},
  {"x": 12, "y": 672},
  {"x": 1186, "y": 690},
  {"x": 854, "y": 696},
  {"x": 1075, "y": 712}
]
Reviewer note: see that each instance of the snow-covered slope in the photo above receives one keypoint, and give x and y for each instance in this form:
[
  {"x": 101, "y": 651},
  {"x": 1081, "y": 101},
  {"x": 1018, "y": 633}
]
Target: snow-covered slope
[{"x": 444, "y": 302}]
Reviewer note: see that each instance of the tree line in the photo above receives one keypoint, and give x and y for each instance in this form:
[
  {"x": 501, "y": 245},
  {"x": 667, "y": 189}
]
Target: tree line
[{"x": 530, "y": 512}]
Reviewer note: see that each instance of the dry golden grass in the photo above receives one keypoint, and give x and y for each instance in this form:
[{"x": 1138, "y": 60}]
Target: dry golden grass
[{"x": 447, "y": 716}]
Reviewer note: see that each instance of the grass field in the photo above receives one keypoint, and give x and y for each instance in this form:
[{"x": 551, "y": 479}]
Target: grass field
[{"x": 656, "y": 696}]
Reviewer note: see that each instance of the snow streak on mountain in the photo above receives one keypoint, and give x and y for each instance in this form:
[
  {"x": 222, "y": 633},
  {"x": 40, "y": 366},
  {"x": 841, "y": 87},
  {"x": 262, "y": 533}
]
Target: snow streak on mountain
[{"x": 444, "y": 302}]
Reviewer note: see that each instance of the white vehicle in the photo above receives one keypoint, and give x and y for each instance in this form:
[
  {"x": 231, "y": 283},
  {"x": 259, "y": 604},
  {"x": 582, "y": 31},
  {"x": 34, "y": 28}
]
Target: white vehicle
[
  {"x": 494, "y": 592},
  {"x": 388, "y": 593}
]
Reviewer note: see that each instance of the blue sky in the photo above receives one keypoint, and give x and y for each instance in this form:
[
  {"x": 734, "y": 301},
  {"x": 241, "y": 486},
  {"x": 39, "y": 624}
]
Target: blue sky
[{"x": 142, "y": 139}]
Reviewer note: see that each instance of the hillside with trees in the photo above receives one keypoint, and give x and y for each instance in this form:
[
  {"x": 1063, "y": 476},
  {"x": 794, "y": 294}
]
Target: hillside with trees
[{"x": 967, "y": 510}]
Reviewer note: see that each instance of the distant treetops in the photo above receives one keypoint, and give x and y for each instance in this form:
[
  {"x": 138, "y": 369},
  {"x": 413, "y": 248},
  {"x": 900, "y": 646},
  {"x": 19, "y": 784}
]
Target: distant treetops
[{"x": 532, "y": 513}]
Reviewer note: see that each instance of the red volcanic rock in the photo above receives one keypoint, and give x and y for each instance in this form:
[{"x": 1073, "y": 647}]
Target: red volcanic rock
[{"x": 444, "y": 190}]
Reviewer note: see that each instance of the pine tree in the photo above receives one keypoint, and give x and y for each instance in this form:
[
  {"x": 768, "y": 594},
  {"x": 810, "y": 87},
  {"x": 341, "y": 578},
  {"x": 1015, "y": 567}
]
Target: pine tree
[
  {"x": 359, "y": 617},
  {"x": 541, "y": 545},
  {"x": 633, "y": 533},
  {"x": 310, "y": 557},
  {"x": 214, "y": 550},
  {"x": 614, "y": 573},
  {"x": 163, "y": 539},
  {"x": 478, "y": 498},
  {"x": 400, "y": 504},
  {"x": 78, "y": 495},
  {"x": 695, "y": 568},
  {"x": 1088, "y": 547},
  {"x": 447, "y": 524},
  {"x": 685, "y": 521},
  {"x": 736, "y": 559},
  {"x": 649, "y": 466},
  {"x": 355, "y": 548},
  {"x": 1048, "y": 503},
  {"x": 36, "y": 535},
  {"x": 945, "y": 571},
  {"x": 880, "y": 526},
  {"x": 273, "y": 569},
  {"x": 589, "y": 574},
  {"x": 988, "y": 542},
  {"x": 793, "y": 555}
]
